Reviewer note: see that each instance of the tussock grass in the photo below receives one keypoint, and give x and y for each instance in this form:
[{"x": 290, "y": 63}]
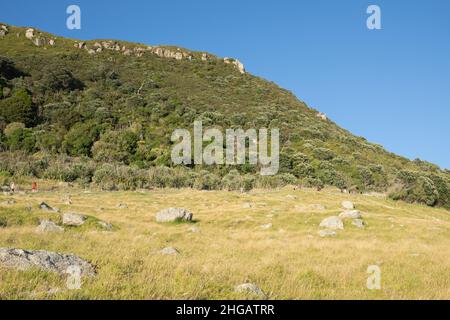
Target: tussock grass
[{"x": 411, "y": 244}]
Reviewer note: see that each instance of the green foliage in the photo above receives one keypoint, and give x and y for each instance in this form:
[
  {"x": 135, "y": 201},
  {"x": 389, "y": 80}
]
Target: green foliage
[
  {"x": 81, "y": 137},
  {"x": 18, "y": 108}
]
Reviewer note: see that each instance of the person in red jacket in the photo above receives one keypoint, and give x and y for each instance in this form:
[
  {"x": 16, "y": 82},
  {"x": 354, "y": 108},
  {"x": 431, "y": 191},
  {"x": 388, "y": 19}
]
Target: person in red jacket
[{"x": 34, "y": 187}]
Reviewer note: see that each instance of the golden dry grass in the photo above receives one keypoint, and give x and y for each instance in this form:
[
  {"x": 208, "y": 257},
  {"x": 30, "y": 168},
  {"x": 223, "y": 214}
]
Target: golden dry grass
[{"x": 411, "y": 244}]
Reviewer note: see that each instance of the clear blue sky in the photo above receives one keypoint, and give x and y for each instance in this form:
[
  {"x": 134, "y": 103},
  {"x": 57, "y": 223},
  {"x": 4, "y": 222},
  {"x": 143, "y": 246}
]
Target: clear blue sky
[{"x": 391, "y": 86}]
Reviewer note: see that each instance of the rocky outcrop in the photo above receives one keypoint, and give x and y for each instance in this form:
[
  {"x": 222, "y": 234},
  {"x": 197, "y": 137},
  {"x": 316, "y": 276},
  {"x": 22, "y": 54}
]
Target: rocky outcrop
[
  {"x": 3, "y": 30},
  {"x": 348, "y": 205},
  {"x": 29, "y": 34},
  {"x": 235, "y": 63},
  {"x": 44, "y": 260},
  {"x": 173, "y": 215},
  {"x": 169, "y": 251}
]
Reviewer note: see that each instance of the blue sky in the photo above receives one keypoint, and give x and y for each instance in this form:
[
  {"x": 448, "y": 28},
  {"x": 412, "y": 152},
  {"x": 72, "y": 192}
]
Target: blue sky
[{"x": 391, "y": 86}]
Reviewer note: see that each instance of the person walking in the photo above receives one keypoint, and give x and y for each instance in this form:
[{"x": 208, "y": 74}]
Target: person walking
[
  {"x": 12, "y": 187},
  {"x": 34, "y": 187}
]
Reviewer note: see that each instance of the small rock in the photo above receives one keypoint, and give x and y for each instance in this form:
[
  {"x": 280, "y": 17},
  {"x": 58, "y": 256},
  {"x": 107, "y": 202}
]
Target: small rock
[
  {"x": 46, "y": 207},
  {"x": 169, "y": 251},
  {"x": 122, "y": 206},
  {"x": 353, "y": 214},
  {"x": 250, "y": 288},
  {"x": 44, "y": 260},
  {"x": 194, "y": 230},
  {"x": 247, "y": 205},
  {"x": 47, "y": 226},
  {"x": 174, "y": 214},
  {"x": 266, "y": 226},
  {"x": 359, "y": 223},
  {"x": 327, "y": 233},
  {"x": 333, "y": 223},
  {"x": 348, "y": 205},
  {"x": 73, "y": 219},
  {"x": 105, "y": 225}
]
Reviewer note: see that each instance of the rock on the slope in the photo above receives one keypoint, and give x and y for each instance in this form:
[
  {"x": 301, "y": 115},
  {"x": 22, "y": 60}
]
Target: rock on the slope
[
  {"x": 359, "y": 223},
  {"x": 46, "y": 207},
  {"x": 73, "y": 219},
  {"x": 352, "y": 214},
  {"x": 38, "y": 41},
  {"x": 29, "y": 34},
  {"x": 170, "y": 251},
  {"x": 47, "y": 226},
  {"x": 194, "y": 230},
  {"x": 51, "y": 42},
  {"x": 3, "y": 30},
  {"x": 174, "y": 214},
  {"x": 348, "y": 205},
  {"x": 327, "y": 233},
  {"x": 235, "y": 63},
  {"x": 250, "y": 288},
  {"x": 44, "y": 260},
  {"x": 333, "y": 223}
]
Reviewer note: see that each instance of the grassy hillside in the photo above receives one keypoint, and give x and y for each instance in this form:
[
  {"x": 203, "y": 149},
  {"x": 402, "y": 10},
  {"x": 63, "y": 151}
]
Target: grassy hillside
[
  {"x": 102, "y": 112},
  {"x": 231, "y": 243}
]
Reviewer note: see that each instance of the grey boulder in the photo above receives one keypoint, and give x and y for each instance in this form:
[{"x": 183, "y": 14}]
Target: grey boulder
[
  {"x": 47, "y": 226},
  {"x": 73, "y": 219},
  {"x": 174, "y": 214},
  {"x": 333, "y": 223},
  {"x": 43, "y": 260}
]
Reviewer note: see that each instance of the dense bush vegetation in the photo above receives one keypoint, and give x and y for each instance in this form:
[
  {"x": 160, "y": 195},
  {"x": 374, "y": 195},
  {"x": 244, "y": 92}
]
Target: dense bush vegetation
[{"x": 106, "y": 120}]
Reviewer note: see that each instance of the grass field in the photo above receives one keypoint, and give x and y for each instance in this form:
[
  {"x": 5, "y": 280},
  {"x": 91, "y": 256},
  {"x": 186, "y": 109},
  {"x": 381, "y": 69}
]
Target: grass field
[{"x": 411, "y": 245}]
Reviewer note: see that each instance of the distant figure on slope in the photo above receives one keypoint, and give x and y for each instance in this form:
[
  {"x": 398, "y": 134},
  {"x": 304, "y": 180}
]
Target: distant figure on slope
[
  {"x": 34, "y": 187},
  {"x": 12, "y": 187}
]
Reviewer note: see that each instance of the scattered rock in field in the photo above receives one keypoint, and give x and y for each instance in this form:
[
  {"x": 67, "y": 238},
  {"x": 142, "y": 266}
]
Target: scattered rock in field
[
  {"x": 38, "y": 41},
  {"x": 250, "y": 288},
  {"x": 318, "y": 207},
  {"x": 3, "y": 30},
  {"x": 266, "y": 226},
  {"x": 122, "y": 206},
  {"x": 105, "y": 225},
  {"x": 46, "y": 207},
  {"x": 333, "y": 223},
  {"x": 169, "y": 251},
  {"x": 247, "y": 205},
  {"x": 359, "y": 223},
  {"x": 8, "y": 202},
  {"x": 73, "y": 219},
  {"x": 348, "y": 205},
  {"x": 44, "y": 260},
  {"x": 290, "y": 196},
  {"x": 47, "y": 226},
  {"x": 67, "y": 200},
  {"x": 327, "y": 233},
  {"x": 194, "y": 230},
  {"x": 174, "y": 214},
  {"x": 352, "y": 214}
]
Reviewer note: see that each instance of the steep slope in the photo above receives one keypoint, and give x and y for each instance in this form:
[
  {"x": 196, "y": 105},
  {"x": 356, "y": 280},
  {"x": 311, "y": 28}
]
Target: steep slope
[{"x": 117, "y": 104}]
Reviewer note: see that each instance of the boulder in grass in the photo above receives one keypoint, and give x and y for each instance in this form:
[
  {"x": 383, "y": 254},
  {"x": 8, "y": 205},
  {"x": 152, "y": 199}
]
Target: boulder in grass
[
  {"x": 47, "y": 226},
  {"x": 44, "y": 206},
  {"x": 348, "y": 205},
  {"x": 73, "y": 219},
  {"x": 250, "y": 289},
  {"x": 352, "y": 214},
  {"x": 169, "y": 251},
  {"x": 44, "y": 260},
  {"x": 332, "y": 223},
  {"x": 173, "y": 215}
]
